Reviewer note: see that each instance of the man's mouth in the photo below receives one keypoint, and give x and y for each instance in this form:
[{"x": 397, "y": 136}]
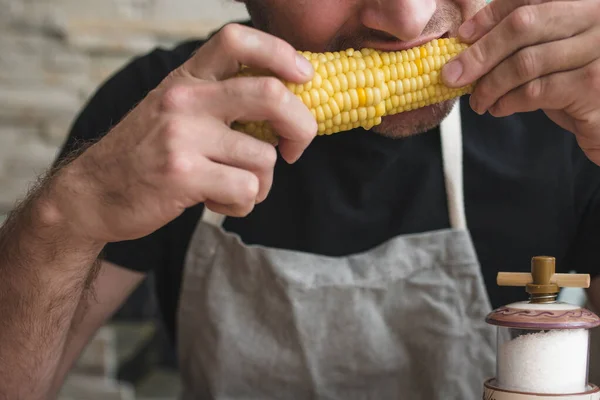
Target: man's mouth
[{"x": 399, "y": 46}]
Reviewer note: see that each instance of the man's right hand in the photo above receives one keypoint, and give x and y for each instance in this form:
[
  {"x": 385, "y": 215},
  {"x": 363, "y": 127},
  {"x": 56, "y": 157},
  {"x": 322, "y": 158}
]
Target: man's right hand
[{"x": 176, "y": 148}]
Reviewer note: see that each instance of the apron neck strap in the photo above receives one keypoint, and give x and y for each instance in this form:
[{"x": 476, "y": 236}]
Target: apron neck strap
[
  {"x": 212, "y": 218},
  {"x": 452, "y": 155},
  {"x": 451, "y": 136}
]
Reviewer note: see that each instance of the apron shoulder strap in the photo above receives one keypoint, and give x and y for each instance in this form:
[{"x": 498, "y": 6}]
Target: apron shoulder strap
[
  {"x": 452, "y": 155},
  {"x": 211, "y": 217}
]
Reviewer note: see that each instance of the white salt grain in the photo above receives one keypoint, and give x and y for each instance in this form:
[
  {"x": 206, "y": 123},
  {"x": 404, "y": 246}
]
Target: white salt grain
[{"x": 546, "y": 362}]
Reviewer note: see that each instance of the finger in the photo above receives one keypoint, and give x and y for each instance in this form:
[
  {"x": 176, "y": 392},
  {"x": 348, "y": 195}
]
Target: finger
[
  {"x": 552, "y": 92},
  {"x": 231, "y": 188},
  {"x": 268, "y": 99},
  {"x": 526, "y": 26},
  {"x": 533, "y": 62},
  {"x": 575, "y": 92},
  {"x": 490, "y": 16},
  {"x": 563, "y": 119},
  {"x": 235, "y": 45},
  {"x": 239, "y": 150}
]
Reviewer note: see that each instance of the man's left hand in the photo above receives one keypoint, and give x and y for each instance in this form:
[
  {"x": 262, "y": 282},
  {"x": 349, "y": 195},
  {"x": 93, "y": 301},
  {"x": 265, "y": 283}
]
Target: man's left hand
[{"x": 535, "y": 54}]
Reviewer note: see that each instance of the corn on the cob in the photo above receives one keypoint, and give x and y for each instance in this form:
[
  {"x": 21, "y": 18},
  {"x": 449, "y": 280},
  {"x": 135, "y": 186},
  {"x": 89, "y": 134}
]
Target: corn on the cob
[{"x": 352, "y": 89}]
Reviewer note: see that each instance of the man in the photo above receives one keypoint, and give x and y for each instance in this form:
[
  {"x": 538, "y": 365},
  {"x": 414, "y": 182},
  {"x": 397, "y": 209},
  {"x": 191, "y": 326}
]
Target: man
[{"x": 343, "y": 268}]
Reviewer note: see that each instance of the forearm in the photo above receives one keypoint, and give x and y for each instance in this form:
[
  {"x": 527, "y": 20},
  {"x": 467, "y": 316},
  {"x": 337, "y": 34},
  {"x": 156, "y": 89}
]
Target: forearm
[{"x": 44, "y": 271}]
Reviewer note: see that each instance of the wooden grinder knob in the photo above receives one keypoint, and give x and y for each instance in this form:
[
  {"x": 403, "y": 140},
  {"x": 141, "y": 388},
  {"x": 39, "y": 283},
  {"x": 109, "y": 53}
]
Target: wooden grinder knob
[{"x": 543, "y": 280}]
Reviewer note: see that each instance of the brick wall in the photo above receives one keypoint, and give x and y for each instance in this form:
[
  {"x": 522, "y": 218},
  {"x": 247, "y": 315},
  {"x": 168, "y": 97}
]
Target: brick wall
[{"x": 54, "y": 53}]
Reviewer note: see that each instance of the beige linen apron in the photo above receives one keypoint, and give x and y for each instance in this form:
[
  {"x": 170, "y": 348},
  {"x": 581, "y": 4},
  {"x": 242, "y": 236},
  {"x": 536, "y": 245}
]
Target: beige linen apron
[{"x": 404, "y": 320}]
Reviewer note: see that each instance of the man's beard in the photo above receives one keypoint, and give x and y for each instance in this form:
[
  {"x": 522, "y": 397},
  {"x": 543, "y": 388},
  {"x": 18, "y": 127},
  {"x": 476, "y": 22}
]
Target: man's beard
[{"x": 447, "y": 18}]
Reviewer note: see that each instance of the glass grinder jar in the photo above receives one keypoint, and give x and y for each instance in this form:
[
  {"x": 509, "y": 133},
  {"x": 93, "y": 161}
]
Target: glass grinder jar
[{"x": 542, "y": 347}]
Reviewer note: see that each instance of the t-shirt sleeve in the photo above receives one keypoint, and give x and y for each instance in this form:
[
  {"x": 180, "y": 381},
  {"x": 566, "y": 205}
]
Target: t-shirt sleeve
[{"x": 109, "y": 104}]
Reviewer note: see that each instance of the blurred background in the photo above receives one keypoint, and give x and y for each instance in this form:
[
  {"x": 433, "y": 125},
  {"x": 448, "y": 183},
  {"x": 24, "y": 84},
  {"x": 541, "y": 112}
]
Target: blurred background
[{"x": 53, "y": 55}]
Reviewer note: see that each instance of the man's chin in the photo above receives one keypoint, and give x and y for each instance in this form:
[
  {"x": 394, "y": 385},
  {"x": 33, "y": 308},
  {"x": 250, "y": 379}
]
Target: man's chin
[{"x": 414, "y": 122}]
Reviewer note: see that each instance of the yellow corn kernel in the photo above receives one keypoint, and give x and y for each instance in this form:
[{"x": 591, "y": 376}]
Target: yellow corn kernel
[
  {"x": 419, "y": 65},
  {"x": 323, "y": 96},
  {"x": 336, "y": 87},
  {"x": 352, "y": 64},
  {"x": 327, "y": 111},
  {"x": 339, "y": 69},
  {"x": 343, "y": 82},
  {"x": 345, "y": 117},
  {"x": 369, "y": 96},
  {"x": 347, "y": 101},
  {"x": 385, "y": 58},
  {"x": 383, "y": 92},
  {"x": 320, "y": 114},
  {"x": 331, "y": 69},
  {"x": 334, "y": 107},
  {"x": 394, "y": 72},
  {"x": 306, "y": 99},
  {"x": 337, "y": 120},
  {"x": 339, "y": 100},
  {"x": 376, "y": 57},
  {"x": 345, "y": 65},
  {"x": 360, "y": 64},
  {"x": 426, "y": 67},
  {"x": 363, "y": 114},
  {"x": 360, "y": 79},
  {"x": 362, "y": 97},
  {"x": 378, "y": 77},
  {"x": 314, "y": 98},
  {"x": 380, "y": 109},
  {"x": 392, "y": 87},
  {"x": 414, "y": 70},
  {"x": 351, "y": 79},
  {"x": 386, "y": 72},
  {"x": 369, "y": 78},
  {"x": 407, "y": 69},
  {"x": 370, "y": 112},
  {"x": 354, "y": 98}
]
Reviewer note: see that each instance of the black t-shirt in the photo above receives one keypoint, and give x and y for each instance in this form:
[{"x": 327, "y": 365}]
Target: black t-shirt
[{"x": 529, "y": 190}]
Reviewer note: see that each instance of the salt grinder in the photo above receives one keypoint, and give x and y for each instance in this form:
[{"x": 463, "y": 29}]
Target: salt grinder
[{"x": 542, "y": 348}]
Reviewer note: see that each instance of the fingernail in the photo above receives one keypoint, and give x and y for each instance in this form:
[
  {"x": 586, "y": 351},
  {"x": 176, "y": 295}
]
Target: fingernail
[
  {"x": 452, "y": 71},
  {"x": 304, "y": 66},
  {"x": 467, "y": 30}
]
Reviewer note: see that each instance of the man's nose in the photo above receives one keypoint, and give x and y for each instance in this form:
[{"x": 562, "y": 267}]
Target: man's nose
[{"x": 404, "y": 19}]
